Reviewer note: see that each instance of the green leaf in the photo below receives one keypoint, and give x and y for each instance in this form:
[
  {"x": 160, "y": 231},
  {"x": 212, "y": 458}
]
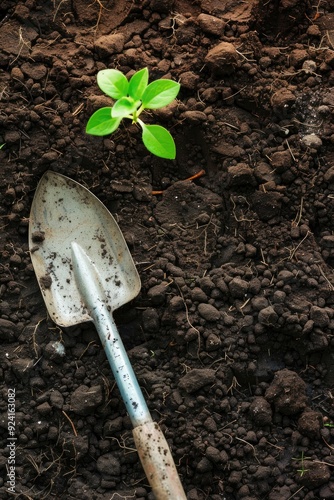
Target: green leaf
[
  {"x": 124, "y": 107},
  {"x": 138, "y": 83},
  {"x": 102, "y": 123},
  {"x": 158, "y": 141},
  {"x": 113, "y": 83},
  {"x": 160, "y": 93}
]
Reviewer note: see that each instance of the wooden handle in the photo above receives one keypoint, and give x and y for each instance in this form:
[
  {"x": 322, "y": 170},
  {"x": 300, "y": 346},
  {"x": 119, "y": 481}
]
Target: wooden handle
[{"x": 157, "y": 462}]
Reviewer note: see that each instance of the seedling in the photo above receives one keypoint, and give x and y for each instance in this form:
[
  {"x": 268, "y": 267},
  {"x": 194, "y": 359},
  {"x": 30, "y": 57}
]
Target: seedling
[
  {"x": 327, "y": 422},
  {"x": 302, "y": 459},
  {"x": 132, "y": 97}
]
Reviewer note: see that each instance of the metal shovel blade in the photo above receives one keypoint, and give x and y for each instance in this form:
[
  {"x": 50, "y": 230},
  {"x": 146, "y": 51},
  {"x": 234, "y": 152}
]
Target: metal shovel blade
[{"x": 64, "y": 212}]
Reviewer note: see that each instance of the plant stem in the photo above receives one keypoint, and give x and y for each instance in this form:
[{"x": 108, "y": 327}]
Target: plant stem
[
  {"x": 141, "y": 123},
  {"x": 140, "y": 110}
]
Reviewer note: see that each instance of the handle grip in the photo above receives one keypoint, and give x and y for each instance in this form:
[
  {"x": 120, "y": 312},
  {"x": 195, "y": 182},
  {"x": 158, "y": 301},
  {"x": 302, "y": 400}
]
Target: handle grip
[
  {"x": 151, "y": 444},
  {"x": 157, "y": 462}
]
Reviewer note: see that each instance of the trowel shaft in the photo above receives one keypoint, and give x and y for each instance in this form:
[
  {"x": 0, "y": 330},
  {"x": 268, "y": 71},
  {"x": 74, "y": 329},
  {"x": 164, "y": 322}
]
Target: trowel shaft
[{"x": 93, "y": 294}]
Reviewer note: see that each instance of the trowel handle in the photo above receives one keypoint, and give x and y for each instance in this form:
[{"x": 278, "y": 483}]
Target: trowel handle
[
  {"x": 157, "y": 462},
  {"x": 151, "y": 444}
]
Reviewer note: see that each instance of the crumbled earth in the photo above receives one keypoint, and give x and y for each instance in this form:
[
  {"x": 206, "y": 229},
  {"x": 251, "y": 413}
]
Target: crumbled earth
[{"x": 232, "y": 334}]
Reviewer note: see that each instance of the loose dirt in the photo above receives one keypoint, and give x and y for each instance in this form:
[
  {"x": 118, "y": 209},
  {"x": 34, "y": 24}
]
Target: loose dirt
[{"x": 231, "y": 336}]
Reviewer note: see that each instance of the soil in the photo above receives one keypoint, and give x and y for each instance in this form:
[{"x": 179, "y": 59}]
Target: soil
[{"x": 232, "y": 334}]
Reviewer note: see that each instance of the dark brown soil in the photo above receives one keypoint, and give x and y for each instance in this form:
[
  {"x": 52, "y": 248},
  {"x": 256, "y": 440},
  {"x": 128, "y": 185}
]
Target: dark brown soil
[{"x": 231, "y": 336}]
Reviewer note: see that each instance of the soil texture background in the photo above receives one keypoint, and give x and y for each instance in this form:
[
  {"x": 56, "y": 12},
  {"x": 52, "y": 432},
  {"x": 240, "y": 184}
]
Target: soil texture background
[{"x": 232, "y": 334}]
